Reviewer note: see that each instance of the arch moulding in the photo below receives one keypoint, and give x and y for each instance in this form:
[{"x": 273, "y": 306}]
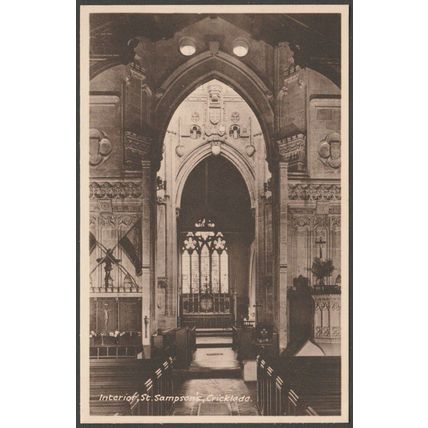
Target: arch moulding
[{"x": 203, "y": 68}]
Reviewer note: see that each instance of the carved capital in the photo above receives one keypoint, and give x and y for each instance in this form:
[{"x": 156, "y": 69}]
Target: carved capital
[
  {"x": 292, "y": 149},
  {"x": 136, "y": 71},
  {"x": 137, "y": 148}
]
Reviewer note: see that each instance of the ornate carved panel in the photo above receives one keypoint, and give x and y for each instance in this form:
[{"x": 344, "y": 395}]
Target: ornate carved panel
[
  {"x": 327, "y": 317},
  {"x": 314, "y": 192},
  {"x": 116, "y": 190}
]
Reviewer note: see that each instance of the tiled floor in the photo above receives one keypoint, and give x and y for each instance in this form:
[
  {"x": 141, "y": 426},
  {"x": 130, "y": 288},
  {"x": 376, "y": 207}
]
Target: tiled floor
[
  {"x": 215, "y": 358},
  {"x": 216, "y": 396}
]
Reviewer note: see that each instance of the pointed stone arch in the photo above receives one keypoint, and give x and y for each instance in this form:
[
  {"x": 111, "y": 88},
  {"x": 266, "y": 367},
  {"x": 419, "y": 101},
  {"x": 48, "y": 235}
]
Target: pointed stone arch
[{"x": 203, "y": 68}]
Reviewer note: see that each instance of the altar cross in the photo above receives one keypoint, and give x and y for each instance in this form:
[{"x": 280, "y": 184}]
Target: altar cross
[{"x": 320, "y": 241}]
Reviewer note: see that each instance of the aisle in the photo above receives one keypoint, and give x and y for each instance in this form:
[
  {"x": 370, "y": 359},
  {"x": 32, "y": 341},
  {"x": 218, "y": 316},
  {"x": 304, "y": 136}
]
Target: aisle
[
  {"x": 213, "y": 386},
  {"x": 217, "y": 397}
]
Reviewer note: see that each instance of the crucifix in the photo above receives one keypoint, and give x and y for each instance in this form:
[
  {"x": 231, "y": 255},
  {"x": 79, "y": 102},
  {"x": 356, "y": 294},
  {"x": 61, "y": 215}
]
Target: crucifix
[
  {"x": 109, "y": 260},
  {"x": 320, "y": 241}
]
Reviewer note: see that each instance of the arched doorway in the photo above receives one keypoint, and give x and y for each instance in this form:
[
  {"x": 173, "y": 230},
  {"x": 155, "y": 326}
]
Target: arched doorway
[
  {"x": 211, "y": 186},
  {"x": 215, "y": 232}
]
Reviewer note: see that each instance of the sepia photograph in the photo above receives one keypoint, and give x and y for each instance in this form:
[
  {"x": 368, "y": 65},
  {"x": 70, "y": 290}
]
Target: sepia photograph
[{"x": 214, "y": 214}]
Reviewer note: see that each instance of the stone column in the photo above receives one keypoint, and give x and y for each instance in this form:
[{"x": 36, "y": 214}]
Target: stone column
[
  {"x": 146, "y": 257},
  {"x": 281, "y": 286},
  {"x": 171, "y": 260}
]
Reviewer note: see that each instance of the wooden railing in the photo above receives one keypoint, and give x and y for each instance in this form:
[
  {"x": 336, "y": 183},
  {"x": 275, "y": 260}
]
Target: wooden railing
[
  {"x": 131, "y": 288},
  {"x": 126, "y": 346},
  {"x": 136, "y": 381},
  {"x": 299, "y": 386}
]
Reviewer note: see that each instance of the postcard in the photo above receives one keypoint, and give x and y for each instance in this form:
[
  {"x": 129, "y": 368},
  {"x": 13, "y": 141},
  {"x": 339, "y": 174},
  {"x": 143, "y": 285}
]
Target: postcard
[{"x": 214, "y": 214}]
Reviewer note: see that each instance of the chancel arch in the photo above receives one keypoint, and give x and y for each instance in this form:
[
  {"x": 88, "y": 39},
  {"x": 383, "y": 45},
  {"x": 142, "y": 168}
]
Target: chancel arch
[
  {"x": 213, "y": 107},
  {"x": 223, "y": 68}
]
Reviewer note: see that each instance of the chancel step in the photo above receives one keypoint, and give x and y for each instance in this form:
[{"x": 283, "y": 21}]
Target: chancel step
[
  {"x": 213, "y": 337},
  {"x": 204, "y": 332}
]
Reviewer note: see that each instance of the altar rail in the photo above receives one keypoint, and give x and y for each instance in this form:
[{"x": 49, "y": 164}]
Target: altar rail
[
  {"x": 299, "y": 386},
  {"x": 130, "y": 387},
  {"x": 207, "y": 321},
  {"x": 214, "y": 303}
]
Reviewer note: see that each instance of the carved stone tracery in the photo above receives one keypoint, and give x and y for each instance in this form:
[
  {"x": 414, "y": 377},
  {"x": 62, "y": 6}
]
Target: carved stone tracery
[
  {"x": 117, "y": 220},
  {"x": 311, "y": 220}
]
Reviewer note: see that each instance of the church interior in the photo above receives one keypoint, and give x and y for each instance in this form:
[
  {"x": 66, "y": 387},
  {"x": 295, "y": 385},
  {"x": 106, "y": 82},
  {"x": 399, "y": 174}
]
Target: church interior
[{"x": 215, "y": 214}]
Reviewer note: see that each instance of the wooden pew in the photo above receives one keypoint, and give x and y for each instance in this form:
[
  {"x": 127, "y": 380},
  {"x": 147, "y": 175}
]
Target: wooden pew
[
  {"x": 299, "y": 386},
  {"x": 117, "y": 386},
  {"x": 314, "y": 385}
]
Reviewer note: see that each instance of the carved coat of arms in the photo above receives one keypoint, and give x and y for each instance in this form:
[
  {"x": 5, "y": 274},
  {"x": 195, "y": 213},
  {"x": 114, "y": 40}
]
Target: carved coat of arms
[
  {"x": 215, "y": 115},
  {"x": 329, "y": 150},
  {"x": 99, "y": 147}
]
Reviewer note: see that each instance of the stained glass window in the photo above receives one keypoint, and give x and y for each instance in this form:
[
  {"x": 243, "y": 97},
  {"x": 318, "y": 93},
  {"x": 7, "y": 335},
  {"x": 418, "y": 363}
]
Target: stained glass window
[
  {"x": 205, "y": 269},
  {"x": 204, "y": 261},
  {"x": 185, "y": 272},
  {"x": 195, "y": 272},
  {"x": 215, "y": 273},
  {"x": 224, "y": 269}
]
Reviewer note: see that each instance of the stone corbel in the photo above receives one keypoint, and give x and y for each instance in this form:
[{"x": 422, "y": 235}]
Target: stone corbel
[
  {"x": 292, "y": 149},
  {"x": 136, "y": 71},
  {"x": 137, "y": 147},
  {"x": 267, "y": 187}
]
